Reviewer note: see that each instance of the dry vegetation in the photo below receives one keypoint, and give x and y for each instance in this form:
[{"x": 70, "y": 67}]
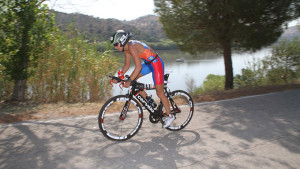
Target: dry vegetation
[{"x": 10, "y": 113}]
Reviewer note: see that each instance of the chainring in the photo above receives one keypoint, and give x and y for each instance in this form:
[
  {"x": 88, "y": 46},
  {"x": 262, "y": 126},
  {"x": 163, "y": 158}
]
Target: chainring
[{"x": 153, "y": 119}]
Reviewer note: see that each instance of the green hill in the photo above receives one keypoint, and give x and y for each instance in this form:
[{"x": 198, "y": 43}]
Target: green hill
[{"x": 145, "y": 28}]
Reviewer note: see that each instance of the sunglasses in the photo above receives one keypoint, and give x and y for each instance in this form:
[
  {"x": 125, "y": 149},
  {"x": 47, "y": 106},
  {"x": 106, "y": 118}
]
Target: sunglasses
[{"x": 115, "y": 44}]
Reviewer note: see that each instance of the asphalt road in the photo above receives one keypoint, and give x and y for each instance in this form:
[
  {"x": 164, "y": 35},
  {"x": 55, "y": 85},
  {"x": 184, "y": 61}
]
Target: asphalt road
[{"x": 250, "y": 132}]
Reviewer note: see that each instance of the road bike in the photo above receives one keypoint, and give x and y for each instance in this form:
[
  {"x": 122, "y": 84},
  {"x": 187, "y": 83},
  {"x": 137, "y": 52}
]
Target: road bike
[{"x": 121, "y": 117}]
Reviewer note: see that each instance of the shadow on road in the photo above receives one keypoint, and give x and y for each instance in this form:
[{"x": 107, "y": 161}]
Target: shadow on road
[
  {"x": 254, "y": 121},
  {"x": 160, "y": 152},
  {"x": 229, "y": 130}
]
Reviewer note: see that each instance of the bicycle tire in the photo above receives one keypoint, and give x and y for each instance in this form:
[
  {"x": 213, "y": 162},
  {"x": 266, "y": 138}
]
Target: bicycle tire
[
  {"x": 185, "y": 103},
  {"x": 110, "y": 123}
]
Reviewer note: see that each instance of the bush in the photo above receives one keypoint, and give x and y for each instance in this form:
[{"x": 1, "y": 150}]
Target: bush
[
  {"x": 246, "y": 79},
  {"x": 72, "y": 70},
  {"x": 211, "y": 83},
  {"x": 253, "y": 75}
]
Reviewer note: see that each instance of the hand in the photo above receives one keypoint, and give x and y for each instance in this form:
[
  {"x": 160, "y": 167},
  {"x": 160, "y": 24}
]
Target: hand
[
  {"x": 114, "y": 81},
  {"x": 126, "y": 84}
]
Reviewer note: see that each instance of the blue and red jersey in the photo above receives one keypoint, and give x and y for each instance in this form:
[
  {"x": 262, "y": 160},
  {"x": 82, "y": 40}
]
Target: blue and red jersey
[{"x": 152, "y": 63}]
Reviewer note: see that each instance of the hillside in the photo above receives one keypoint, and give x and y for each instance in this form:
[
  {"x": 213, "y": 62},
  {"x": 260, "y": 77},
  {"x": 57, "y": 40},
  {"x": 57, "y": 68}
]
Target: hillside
[
  {"x": 149, "y": 24},
  {"x": 146, "y": 28}
]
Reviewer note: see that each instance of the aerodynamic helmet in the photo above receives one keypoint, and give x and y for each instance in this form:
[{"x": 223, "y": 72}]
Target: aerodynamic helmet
[{"x": 121, "y": 37}]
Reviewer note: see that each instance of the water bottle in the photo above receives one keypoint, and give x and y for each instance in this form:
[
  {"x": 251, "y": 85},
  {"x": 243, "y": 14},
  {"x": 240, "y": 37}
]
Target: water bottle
[{"x": 151, "y": 101}]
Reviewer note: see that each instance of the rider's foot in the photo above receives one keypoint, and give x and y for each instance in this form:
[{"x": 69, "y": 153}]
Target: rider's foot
[{"x": 169, "y": 119}]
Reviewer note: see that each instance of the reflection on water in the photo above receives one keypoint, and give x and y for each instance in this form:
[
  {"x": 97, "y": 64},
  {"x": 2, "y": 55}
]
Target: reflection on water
[{"x": 197, "y": 67}]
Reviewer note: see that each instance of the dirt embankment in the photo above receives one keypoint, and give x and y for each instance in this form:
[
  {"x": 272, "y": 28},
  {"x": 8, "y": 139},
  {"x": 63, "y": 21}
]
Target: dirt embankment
[{"x": 24, "y": 112}]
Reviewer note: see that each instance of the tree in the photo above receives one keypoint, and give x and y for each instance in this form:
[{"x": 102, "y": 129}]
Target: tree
[
  {"x": 26, "y": 28},
  {"x": 203, "y": 25}
]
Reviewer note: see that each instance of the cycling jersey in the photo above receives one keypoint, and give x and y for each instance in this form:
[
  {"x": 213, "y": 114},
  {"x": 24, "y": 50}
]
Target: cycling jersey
[{"x": 152, "y": 63}]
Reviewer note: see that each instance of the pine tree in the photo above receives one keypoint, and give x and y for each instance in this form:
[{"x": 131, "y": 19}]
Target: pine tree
[{"x": 203, "y": 25}]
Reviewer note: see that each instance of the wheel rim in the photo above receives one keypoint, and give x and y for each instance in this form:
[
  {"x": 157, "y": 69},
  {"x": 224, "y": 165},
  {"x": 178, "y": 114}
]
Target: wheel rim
[
  {"x": 186, "y": 107},
  {"x": 115, "y": 128}
]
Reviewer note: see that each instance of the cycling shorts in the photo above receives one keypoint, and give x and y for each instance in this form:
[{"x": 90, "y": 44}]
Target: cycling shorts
[{"x": 157, "y": 69}]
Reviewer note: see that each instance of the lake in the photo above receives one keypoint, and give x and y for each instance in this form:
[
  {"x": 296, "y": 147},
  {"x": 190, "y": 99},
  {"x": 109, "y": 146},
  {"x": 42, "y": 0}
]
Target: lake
[{"x": 196, "y": 67}]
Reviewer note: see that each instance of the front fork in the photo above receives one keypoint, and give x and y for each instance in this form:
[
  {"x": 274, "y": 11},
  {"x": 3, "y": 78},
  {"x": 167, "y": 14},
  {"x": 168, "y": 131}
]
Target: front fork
[{"x": 125, "y": 109}]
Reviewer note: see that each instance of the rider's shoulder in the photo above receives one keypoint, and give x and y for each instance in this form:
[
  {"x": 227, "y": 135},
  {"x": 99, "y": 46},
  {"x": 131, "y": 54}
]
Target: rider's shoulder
[{"x": 134, "y": 45}]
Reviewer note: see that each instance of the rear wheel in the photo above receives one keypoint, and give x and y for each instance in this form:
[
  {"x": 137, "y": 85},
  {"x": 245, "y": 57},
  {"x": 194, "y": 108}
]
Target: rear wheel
[
  {"x": 115, "y": 126},
  {"x": 182, "y": 106}
]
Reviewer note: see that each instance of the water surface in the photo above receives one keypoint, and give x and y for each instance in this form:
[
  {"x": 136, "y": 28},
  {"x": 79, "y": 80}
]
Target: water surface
[{"x": 196, "y": 67}]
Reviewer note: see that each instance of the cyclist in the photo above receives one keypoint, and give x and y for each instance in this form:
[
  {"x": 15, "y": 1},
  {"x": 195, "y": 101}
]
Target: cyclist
[{"x": 152, "y": 63}]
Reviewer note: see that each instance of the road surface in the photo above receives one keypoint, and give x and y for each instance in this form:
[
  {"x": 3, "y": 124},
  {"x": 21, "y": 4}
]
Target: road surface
[{"x": 260, "y": 131}]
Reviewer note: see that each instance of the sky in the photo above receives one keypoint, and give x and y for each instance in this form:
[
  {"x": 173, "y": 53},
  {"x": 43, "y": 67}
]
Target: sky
[{"x": 117, "y": 9}]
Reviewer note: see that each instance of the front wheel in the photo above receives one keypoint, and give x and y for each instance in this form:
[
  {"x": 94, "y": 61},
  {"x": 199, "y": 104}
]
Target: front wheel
[
  {"x": 182, "y": 106},
  {"x": 120, "y": 118}
]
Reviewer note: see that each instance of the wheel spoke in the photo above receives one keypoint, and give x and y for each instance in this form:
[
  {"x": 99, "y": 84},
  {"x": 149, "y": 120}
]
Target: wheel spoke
[
  {"x": 115, "y": 127},
  {"x": 183, "y": 107}
]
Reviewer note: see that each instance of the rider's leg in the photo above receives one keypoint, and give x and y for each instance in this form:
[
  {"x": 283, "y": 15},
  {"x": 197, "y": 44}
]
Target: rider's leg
[
  {"x": 161, "y": 94},
  {"x": 143, "y": 93}
]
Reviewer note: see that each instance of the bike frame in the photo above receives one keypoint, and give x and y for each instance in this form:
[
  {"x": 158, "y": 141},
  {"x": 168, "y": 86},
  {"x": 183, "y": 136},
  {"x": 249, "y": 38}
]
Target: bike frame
[
  {"x": 132, "y": 102},
  {"x": 134, "y": 93}
]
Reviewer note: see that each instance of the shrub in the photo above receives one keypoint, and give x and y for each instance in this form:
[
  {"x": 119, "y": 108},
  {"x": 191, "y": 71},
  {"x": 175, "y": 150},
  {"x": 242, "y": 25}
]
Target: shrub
[
  {"x": 211, "y": 83},
  {"x": 72, "y": 70}
]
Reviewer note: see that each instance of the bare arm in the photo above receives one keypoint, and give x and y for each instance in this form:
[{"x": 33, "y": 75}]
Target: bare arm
[
  {"x": 138, "y": 66},
  {"x": 127, "y": 62}
]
